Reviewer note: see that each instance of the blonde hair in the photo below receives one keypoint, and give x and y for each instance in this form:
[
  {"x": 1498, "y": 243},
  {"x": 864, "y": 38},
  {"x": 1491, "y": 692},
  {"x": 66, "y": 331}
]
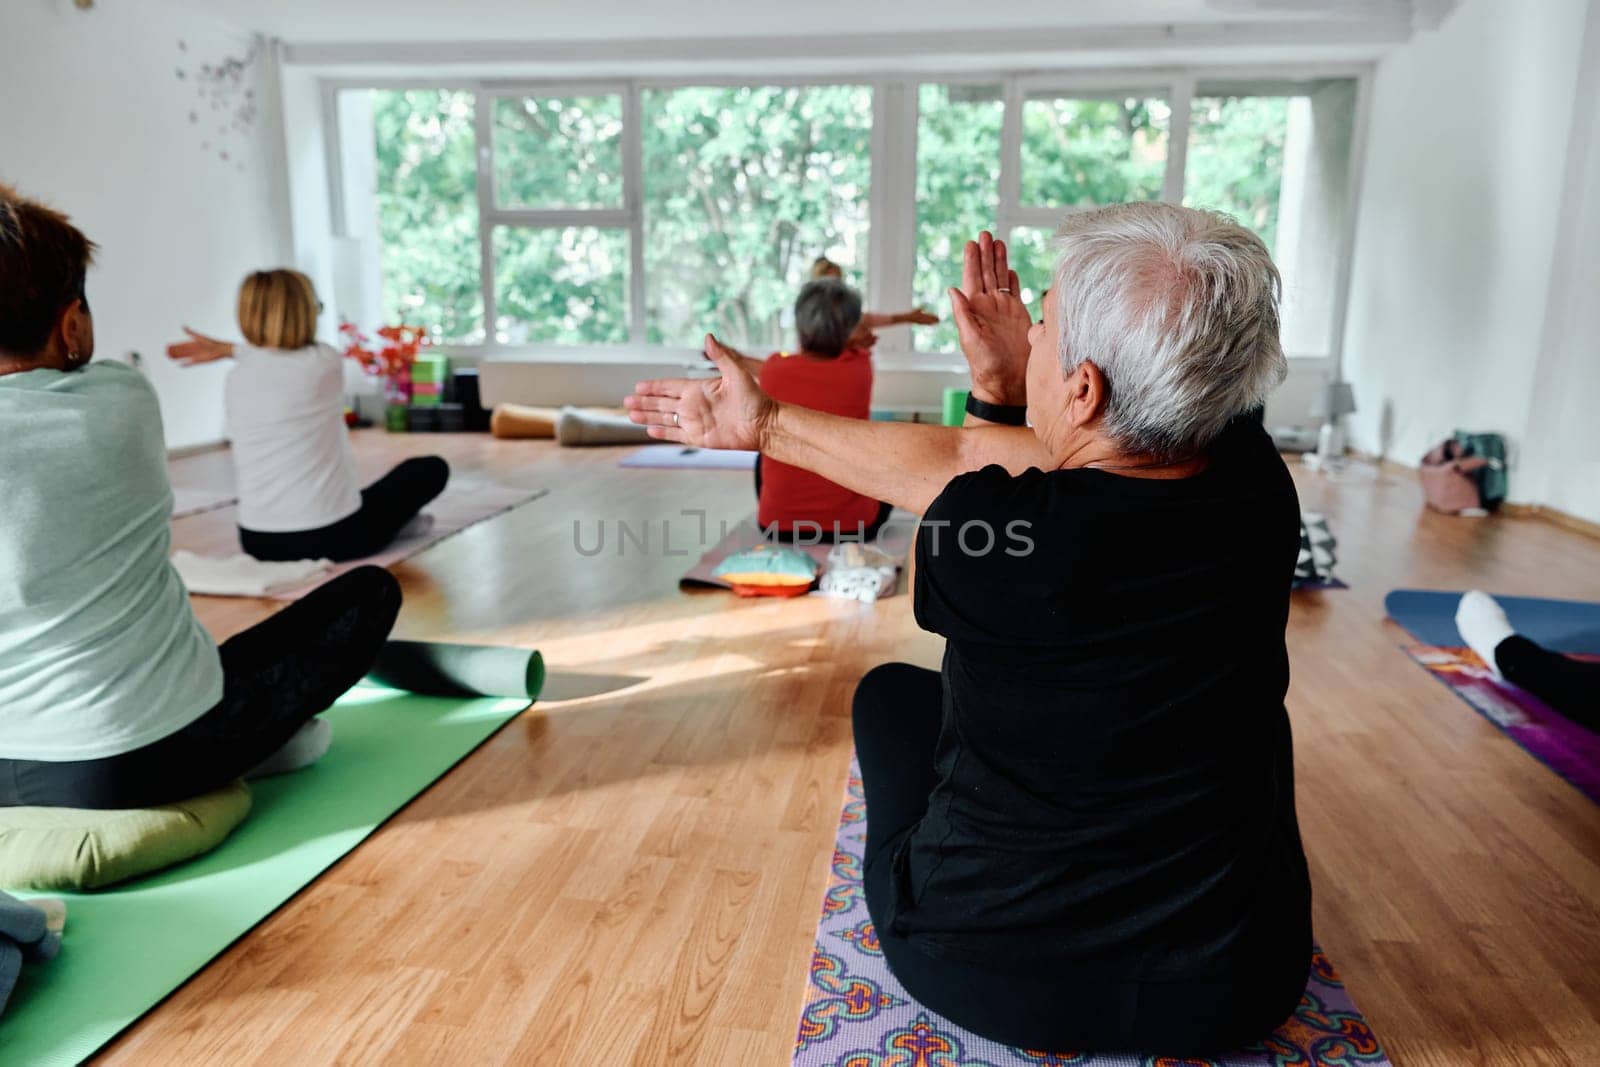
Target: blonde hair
[
  {"x": 278, "y": 309},
  {"x": 823, "y": 267}
]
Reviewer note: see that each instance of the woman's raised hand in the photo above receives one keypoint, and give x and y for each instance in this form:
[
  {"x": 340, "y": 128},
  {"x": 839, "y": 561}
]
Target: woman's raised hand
[
  {"x": 726, "y": 412},
  {"x": 198, "y": 349},
  {"x": 992, "y": 322}
]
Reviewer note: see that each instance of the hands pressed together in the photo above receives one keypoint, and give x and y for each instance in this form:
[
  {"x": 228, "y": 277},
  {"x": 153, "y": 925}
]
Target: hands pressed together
[{"x": 992, "y": 322}]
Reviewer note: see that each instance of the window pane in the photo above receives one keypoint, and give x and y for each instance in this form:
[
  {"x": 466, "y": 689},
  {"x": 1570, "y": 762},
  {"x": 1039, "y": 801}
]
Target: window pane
[
  {"x": 1031, "y": 256},
  {"x": 558, "y": 151},
  {"x": 1236, "y": 158},
  {"x": 427, "y": 209},
  {"x": 561, "y": 286},
  {"x": 1084, "y": 151},
  {"x": 743, "y": 189},
  {"x": 958, "y": 190},
  {"x": 1276, "y": 156}
]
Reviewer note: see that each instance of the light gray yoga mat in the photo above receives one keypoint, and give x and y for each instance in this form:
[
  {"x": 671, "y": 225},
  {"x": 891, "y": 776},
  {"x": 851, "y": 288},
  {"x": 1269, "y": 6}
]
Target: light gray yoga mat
[{"x": 679, "y": 457}]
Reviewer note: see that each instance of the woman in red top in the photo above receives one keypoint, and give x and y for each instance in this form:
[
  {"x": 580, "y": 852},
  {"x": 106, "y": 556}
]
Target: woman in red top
[{"x": 825, "y": 375}]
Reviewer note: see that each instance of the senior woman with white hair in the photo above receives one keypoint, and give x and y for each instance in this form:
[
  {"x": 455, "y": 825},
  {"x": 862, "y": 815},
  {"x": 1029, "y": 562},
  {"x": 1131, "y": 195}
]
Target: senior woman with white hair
[{"x": 1081, "y": 832}]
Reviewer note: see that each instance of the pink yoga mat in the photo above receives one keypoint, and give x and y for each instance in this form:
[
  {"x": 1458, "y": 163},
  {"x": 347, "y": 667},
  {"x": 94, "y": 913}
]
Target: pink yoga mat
[
  {"x": 855, "y": 1012},
  {"x": 454, "y": 511}
]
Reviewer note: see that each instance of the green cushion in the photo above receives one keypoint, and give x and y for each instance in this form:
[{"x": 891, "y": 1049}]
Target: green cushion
[{"x": 81, "y": 848}]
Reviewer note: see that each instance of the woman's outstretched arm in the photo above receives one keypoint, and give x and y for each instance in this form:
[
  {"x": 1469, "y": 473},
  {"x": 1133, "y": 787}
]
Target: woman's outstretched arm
[
  {"x": 199, "y": 349},
  {"x": 906, "y": 464},
  {"x": 917, "y": 316}
]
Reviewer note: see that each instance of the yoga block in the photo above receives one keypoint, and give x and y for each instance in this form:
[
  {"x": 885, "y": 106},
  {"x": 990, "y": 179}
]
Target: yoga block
[
  {"x": 468, "y": 395},
  {"x": 81, "y": 848},
  {"x": 435, "y": 668},
  {"x": 451, "y": 418},
  {"x": 431, "y": 369},
  {"x": 435, "y": 418}
]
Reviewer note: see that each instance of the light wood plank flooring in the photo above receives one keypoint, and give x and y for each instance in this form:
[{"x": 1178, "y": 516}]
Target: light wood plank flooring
[{"x": 632, "y": 870}]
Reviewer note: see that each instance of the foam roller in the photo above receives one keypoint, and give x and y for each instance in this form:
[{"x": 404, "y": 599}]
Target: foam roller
[{"x": 437, "y": 669}]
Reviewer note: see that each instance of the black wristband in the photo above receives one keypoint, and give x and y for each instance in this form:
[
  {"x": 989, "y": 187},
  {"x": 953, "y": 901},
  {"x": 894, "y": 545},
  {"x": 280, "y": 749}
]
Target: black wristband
[{"x": 1004, "y": 414}]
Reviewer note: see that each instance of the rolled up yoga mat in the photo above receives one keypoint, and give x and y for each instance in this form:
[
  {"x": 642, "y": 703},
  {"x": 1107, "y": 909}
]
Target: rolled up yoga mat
[
  {"x": 519, "y": 420},
  {"x": 434, "y": 668},
  {"x": 589, "y": 426}
]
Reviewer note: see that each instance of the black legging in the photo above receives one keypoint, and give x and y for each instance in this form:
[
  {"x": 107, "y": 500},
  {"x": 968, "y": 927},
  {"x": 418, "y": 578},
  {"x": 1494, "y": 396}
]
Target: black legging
[
  {"x": 386, "y": 506},
  {"x": 820, "y": 536},
  {"x": 1069, "y": 1006},
  {"x": 275, "y": 676},
  {"x": 1569, "y": 686}
]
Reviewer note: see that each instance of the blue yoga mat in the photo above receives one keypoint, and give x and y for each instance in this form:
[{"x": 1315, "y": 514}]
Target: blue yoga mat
[{"x": 1561, "y": 625}]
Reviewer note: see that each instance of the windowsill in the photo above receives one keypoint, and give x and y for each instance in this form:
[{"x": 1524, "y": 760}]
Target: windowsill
[{"x": 673, "y": 356}]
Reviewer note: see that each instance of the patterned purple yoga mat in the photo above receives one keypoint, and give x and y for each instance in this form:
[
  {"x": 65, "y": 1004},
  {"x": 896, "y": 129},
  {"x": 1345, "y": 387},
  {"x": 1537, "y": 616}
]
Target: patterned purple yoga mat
[
  {"x": 857, "y": 1015},
  {"x": 1550, "y": 737}
]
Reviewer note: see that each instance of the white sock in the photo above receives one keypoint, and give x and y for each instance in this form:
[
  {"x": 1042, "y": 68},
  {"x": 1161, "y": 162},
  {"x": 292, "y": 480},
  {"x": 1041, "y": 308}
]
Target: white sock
[
  {"x": 1483, "y": 625},
  {"x": 307, "y": 746},
  {"x": 420, "y": 525}
]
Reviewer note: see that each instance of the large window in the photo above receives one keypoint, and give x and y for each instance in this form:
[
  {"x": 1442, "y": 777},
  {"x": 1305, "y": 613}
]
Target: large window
[
  {"x": 958, "y": 190},
  {"x": 1082, "y": 151},
  {"x": 623, "y": 213},
  {"x": 558, "y": 234},
  {"x": 426, "y": 205},
  {"x": 1276, "y": 156},
  {"x": 743, "y": 189}
]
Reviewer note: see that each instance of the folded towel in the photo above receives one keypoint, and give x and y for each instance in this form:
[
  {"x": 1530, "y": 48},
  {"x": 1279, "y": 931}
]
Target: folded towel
[
  {"x": 858, "y": 572},
  {"x": 241, "y": 575}
]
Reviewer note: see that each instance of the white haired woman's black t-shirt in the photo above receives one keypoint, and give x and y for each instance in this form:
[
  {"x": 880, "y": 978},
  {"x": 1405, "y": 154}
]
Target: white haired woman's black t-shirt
[{"x": 1115, "y": 779}]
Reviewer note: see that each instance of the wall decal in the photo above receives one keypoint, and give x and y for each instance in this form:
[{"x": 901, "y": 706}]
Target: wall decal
[{"x": 224, "y": 111}]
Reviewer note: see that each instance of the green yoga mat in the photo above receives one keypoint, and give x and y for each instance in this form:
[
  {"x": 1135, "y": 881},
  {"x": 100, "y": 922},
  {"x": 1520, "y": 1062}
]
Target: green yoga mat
[{"x": 126, "y": 949}]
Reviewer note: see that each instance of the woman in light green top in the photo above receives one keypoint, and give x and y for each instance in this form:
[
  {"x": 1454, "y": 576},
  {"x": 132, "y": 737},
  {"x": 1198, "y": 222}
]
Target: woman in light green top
[{"x": 111, "y": 693}]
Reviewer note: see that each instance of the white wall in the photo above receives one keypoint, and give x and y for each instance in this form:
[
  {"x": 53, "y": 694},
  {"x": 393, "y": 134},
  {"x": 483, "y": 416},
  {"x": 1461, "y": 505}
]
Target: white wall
[
  {"x": 97, "y": 123},
  {"x": 1563, "y": 454},
  {"x": 1460, "y": 221}
]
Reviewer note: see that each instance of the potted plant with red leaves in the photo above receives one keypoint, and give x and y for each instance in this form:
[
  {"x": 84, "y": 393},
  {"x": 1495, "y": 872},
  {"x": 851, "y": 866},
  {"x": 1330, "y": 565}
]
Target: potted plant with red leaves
[{"x": 389, "y": 359}]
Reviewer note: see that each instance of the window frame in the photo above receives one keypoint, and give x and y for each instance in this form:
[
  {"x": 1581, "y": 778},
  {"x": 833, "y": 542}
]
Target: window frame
[{"x": 891, "y": 211}]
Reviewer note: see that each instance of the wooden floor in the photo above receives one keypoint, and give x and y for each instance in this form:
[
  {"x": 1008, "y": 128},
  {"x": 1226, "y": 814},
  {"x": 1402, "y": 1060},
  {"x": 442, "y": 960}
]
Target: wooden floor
[{"x": 631, "y": 871}]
